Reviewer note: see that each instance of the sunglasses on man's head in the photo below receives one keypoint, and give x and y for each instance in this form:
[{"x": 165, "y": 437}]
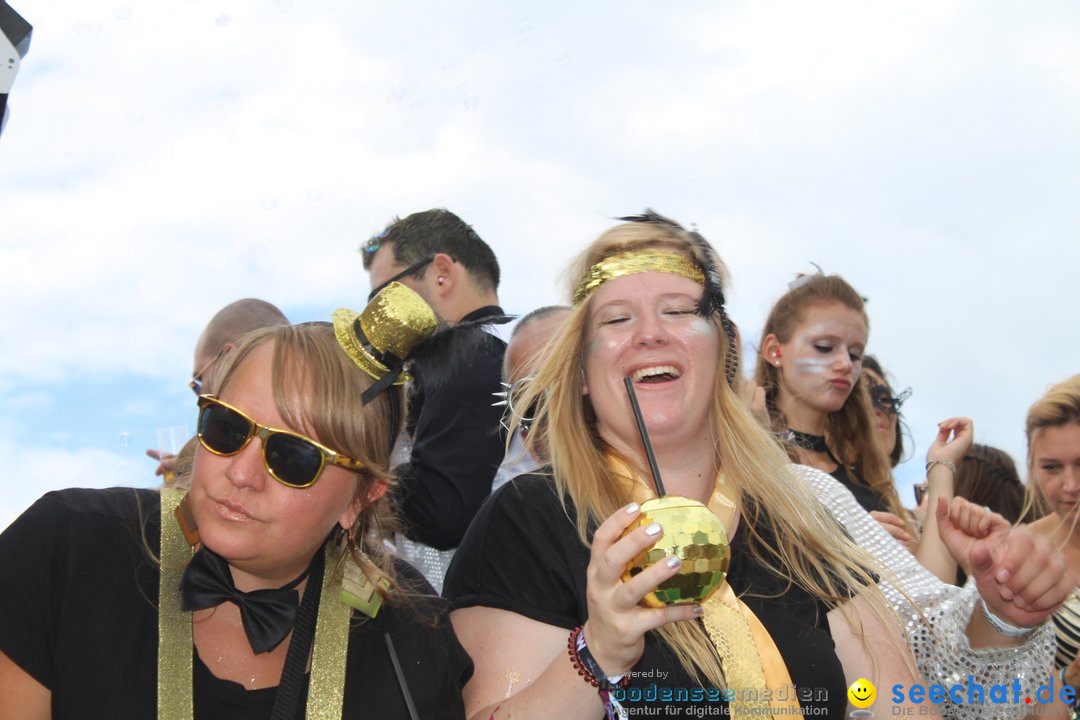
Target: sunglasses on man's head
[
  {"x": 411, "y": 270},
  {"x": 373, "y": 243},
  {"x": 196, "y": 382},
  {"x": 290, "y": 458}
]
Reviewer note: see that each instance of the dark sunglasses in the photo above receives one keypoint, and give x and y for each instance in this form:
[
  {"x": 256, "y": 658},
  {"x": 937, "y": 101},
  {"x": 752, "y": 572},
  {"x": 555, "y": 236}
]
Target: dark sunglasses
[
  {"x": 290, "y": 458},
  {"x": 411, "y": 270},
  {"x": 883, "y": 400}
]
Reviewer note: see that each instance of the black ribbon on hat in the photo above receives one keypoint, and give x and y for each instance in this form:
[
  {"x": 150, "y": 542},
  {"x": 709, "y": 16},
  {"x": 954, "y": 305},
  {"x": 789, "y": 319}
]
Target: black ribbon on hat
[
  {"x": 268, "y": 615},
  {"x": 392, "y": 362}
]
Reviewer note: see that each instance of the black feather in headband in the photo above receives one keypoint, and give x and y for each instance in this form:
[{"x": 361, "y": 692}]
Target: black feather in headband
[{"x": 712, "y": 299}]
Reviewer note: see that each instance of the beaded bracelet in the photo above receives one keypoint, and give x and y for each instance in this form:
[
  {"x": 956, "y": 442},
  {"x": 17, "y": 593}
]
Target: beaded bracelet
[
  {"x": 1002, "y": 627},
  {"x": 586, "y": 664},
  {"x": 941, "y": 461}
]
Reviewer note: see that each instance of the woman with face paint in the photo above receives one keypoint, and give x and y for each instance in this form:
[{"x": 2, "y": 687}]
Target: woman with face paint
[
  {"x": 810, "y": 363},
  {"x": 810, "y": 366},
  {"x": 545, "y": 603}
]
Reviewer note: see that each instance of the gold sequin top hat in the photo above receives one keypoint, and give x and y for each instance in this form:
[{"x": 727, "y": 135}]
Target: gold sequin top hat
[{"x": 381, "y": 337}]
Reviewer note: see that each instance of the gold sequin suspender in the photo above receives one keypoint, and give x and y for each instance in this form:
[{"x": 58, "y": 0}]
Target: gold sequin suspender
[
  {"x": 174, "y": 698},
  {"x": 326, "y": 690}
]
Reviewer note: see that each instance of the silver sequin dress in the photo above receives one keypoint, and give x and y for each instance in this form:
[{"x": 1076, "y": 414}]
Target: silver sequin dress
[{"x": 937, "y": 638}]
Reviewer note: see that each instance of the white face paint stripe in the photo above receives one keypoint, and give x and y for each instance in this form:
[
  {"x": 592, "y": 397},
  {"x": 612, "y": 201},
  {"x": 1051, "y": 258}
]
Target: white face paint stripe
[
  {"x": 834, "y": 333},
  {"x": 701, "y": 325},
  {"x": 814, "y": 366}
]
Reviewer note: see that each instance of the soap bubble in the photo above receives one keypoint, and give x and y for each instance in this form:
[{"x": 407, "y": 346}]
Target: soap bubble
[{"x": 256, "y": 251}]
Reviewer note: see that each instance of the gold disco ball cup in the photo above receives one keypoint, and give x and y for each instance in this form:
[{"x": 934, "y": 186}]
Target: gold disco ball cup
[{"x": 693, "y": 534}]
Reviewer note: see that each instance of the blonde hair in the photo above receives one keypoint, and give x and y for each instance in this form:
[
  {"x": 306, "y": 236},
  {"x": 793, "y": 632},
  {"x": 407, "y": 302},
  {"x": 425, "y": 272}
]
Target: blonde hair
[
  {"x": 317, "y": 389},
  {"x": 1059, "y": 406},
  {"x": 848, "y": 431},
  {"x": 809, "y": 549}
]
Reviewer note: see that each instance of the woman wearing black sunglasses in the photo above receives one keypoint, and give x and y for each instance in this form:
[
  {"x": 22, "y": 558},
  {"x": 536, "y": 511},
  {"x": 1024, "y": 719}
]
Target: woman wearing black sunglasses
[
  {"x": 811, "y": 366},
  {"x": 276, "y": 597}
]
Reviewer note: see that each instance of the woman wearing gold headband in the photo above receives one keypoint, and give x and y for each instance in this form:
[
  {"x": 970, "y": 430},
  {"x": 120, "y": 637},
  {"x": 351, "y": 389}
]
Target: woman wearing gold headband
[
  {"x": 546, "y": 556},
  {"x": 285, "y": 606}
]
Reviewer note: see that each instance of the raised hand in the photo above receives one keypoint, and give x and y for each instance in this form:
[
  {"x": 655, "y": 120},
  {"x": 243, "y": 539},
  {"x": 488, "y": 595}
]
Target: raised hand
[
  {"x": 953, "y": 441},
  {"x": 166, "y": 461},
  {"x": 1022, "y": 576}
]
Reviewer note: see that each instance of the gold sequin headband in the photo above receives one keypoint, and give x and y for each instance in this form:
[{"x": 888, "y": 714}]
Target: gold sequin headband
[{"x": 632, "y": 263}]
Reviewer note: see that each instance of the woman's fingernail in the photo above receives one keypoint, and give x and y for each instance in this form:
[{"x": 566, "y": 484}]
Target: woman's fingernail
[
  {"x": 674, "y": 561},
  {"x": 698, "y": 611},
  {"x": 652, "y": 529},
  {"x": 632, "y": 508}
]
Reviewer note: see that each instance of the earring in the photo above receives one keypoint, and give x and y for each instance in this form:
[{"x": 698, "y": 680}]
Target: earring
[
  {"x": 187, "y": 522},
  {"x": 363, "y": 585},
  {"x": 441, "y": 280}
]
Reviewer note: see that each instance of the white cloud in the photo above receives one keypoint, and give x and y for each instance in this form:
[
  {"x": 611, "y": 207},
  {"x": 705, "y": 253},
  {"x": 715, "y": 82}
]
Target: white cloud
[
  {"x": 160, "y": 162},
  {"x": 33, "y": 471}
]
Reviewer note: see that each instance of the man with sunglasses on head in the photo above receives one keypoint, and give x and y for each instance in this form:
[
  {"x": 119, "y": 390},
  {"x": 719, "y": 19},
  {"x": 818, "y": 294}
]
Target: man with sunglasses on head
[
  {"x": 217, "y": 339},
  {"x": 456, "y": 445}
]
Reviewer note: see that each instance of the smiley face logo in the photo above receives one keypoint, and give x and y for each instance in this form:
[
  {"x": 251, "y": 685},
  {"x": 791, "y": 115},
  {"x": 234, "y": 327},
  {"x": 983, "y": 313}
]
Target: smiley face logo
[{"x": 862, "y": 693}]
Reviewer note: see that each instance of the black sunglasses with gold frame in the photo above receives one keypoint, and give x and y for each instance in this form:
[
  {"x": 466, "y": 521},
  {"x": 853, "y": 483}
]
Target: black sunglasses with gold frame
[{"x": 292, "y": 459}]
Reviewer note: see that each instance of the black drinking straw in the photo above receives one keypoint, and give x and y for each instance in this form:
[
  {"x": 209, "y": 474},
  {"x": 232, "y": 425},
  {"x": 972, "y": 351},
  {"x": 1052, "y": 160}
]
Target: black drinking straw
[
  {"x": 401, "y": 678},
  {"x": 645, "y": 437}
]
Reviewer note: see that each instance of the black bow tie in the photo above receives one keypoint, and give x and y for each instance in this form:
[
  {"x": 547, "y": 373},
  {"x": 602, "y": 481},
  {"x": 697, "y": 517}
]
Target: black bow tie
[{"x": 268, "y": 615}]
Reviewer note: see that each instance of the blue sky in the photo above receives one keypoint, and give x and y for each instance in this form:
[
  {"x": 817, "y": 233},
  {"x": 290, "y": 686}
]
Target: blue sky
[{"x": 163, "y": 160}]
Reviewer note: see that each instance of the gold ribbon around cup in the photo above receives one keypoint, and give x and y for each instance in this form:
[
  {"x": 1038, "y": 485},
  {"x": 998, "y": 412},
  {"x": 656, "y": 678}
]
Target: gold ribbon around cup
[{"x": 757, "y": 677}]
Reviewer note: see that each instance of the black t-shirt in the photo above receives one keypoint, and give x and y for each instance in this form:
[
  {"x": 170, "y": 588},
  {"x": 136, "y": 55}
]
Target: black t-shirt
[
  {"x": 523, "y": 554},
  {"x": 78, "y": 612},
  {"x": 866, "y": 497}
]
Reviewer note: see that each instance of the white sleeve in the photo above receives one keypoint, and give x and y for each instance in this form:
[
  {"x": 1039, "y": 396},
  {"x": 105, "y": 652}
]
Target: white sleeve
[{"x": 934, "y": 617}]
